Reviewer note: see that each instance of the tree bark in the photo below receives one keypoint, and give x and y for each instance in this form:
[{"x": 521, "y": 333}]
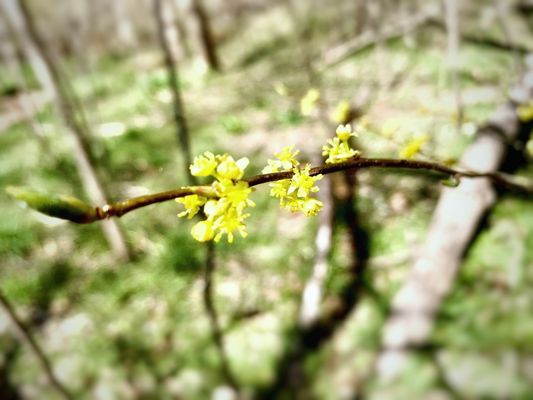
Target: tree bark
[{"x": 453, "y": 226}]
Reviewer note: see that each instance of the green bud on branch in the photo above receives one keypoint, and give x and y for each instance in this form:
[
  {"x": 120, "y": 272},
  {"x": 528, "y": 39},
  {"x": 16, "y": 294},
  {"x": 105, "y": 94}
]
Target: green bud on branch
[
  {"x": 59, "y": 206},
  {"x": 452, "y": 182}
]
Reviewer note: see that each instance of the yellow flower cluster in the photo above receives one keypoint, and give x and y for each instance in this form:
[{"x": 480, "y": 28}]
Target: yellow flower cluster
[
  {"x": 294, "y": 193},
  {"x": 413, "y": 147},
  {"x": 224, "y": 204},
  {"x": 225, "y": 213},
  {"x": 338, "y": 149}
]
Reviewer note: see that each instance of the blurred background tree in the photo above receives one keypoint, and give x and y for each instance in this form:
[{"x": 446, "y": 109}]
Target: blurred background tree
[{"x": 391, "y": 292}]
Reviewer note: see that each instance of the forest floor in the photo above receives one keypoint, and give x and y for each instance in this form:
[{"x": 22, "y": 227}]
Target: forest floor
[{"x": 140, "y": 328}]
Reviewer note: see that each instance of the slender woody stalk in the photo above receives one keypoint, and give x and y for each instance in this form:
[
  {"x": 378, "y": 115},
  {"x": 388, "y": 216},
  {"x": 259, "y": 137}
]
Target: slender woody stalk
[
  {"x": 27, "y": 336},
  {"x": 122, "y": 207}
]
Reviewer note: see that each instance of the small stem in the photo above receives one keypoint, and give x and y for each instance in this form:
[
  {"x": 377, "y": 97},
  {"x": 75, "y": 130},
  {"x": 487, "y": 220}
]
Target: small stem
[
  {"x": 361, "y": 163},
  {"x": 34, "y": 347},
  {"x": 212, "y": 313},
  {"x": 122, "y": 207}
]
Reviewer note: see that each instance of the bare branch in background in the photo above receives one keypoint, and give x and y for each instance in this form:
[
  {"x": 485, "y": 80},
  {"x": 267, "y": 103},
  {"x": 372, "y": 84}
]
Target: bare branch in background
[
  {"x": 502, "y": 15},
  {"x": 369, "y": 38},
  {"x": 453, "y": 61},
  {"x": 216, "y": 331},
  {"x": 49, "y": 76},
  {"x": 487, "y": 41},
  {"x": 29, "y": 104},
  {"x": 182, "y": 130},
  {"x": 26, "y": 335},
  {"x": 206, "y": 34}
]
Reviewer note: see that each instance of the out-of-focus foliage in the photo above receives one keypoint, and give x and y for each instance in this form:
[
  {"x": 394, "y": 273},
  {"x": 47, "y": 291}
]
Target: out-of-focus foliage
[{"x": 139, "y": 330}]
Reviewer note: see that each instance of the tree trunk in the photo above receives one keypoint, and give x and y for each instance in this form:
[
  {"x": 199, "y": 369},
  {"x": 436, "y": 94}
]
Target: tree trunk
[
  {"x": 453, "y": 226},
  {"x": 49, "y": 77}
]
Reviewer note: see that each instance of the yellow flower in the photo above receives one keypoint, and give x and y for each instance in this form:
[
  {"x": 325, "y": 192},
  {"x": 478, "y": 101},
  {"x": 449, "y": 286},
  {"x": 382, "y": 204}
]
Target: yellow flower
[
  {"x": 311, "y": 207},
  {"x": 344, "y": 132},
  {"x": 192, "y": 205},
  {"x": 204, "y": 165},
  {"x": 225, "y": 214},
  {"x": 302, "y": 183},
  {"x": 338, "y": 149},
  {"x": 236, "y": 194},
  {"x": 309, "y": 101},
  {"x": 229, "y": 222},
  {"x": 286, "y": 160},
  {"x": 413, "y": 147},
  {"x": 279, "y": 189},
  {"x": 228, "y": 168},
  {"x": 294, "y": 194},
  {"x": 203, "y": 231},
  {"x": 525, "y": 112},
  {"x": 214, "y": 207},
  {"x": 529, "y": 145},
  {"x": 341, "y": 114}
]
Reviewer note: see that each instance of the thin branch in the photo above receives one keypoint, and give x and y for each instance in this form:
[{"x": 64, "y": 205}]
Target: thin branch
[
  {"x": 485, "y": 40},
  {"x": 120, "y": 208},
  {"x": 216, "y": 331},
  {"x": 34, "y": 347},
  {"x": 66, "y": 103},
  {"x": 502, "y": 16},
  {"x": 208, "y": 41},
  {"x": 368, "y": 38},
  {"x": 173, "y": 83},
  {"x": 451, "y": 8}
]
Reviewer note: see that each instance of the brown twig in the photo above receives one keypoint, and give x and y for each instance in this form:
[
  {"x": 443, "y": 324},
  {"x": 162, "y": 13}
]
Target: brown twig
[
  {"x": 34, "y": 347},
  {"x": 122, "y": 207}
]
